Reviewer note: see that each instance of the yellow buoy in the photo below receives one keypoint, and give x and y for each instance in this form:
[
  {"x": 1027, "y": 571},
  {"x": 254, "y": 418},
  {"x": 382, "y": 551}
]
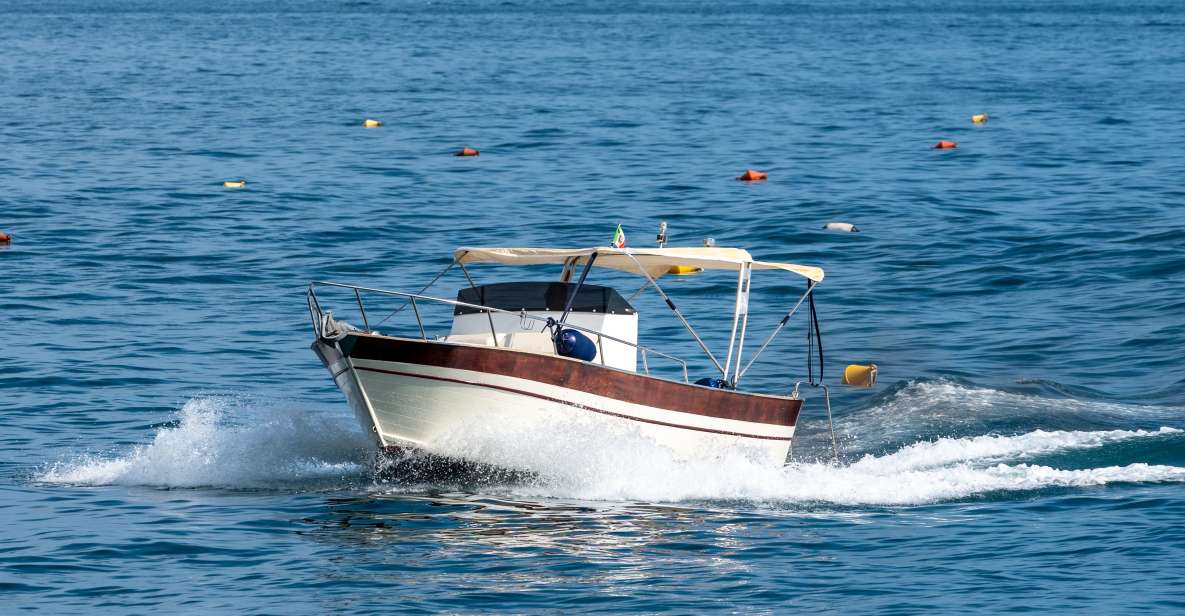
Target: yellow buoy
[
  {"x": 860, "y": 376},
  {"x": 979, "y": 118},
  {"x": 369, "y": 123},
  {"x": 235, "y": 183},
  {"x": 684, "y": 270}
]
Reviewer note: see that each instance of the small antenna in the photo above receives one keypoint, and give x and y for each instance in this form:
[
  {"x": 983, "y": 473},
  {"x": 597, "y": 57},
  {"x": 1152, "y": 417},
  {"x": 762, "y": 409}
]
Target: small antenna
[{"x": 662, "y": 234}]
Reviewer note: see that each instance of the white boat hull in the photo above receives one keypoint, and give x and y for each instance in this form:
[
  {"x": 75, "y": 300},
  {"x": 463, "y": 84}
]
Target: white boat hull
[{"x": 454, "y": 411}]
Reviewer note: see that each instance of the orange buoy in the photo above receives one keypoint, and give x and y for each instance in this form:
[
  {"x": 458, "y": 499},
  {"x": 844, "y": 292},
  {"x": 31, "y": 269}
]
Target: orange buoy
[
  {"x": 5, "y": 238},
  {"x": 467, "y": 152},
  {"x": 945, "y": 145},
  {"x": 751, "y": 175}
]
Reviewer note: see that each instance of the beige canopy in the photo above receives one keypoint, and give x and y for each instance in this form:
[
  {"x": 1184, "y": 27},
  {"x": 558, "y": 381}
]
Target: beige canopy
[{"x": 656, "y": 261}]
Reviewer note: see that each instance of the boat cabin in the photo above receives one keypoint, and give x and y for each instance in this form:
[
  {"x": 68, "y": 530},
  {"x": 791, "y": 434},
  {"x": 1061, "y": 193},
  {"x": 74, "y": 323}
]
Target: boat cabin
[{"x": 594, "y": 308}]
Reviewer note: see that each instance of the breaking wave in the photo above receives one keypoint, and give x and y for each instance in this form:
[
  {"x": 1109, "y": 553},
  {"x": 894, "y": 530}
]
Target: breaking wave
[{"x": 220, "y": 442}]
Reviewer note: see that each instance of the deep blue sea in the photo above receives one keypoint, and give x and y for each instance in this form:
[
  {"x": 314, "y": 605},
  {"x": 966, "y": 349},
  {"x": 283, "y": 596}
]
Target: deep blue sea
[{"x": 169, "y": 443}]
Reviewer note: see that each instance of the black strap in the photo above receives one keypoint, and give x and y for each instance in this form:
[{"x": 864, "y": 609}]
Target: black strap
[{"x": 812, "y": 335}]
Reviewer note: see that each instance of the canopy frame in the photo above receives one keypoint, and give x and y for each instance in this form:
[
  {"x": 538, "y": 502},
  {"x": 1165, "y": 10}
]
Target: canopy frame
[
  {"x": 661, "y": 260},
  {"x": 656, "y": 261}
]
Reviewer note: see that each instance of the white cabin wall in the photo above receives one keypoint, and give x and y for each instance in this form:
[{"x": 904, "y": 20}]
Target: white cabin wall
[
  {"x": 616, "y": 354},
  {"x": 623, "y": 326}
]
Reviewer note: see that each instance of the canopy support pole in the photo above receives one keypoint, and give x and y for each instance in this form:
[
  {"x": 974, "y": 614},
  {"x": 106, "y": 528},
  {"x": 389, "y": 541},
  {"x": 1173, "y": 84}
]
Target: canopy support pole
[
  {"x": 490, "y": 317},
  {"x": 645, "y": 285},
  {"x": 569, "y": 265},
  {"x": 572, "y": 297},
  {"x": 671, "y": 305},
  {"x": 810, "y": 286},
  {"x": 736, "y": 319},
  {"x": 736, "y": 375}
]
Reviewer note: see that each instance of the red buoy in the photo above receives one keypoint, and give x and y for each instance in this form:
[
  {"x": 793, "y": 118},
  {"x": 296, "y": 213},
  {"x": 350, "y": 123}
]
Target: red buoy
[
  {"x": 751, "y": 175},
  {"x": 467, "y": 152},
  {"x": 945, "y": 145},
  {"x": 5, "y": 238}
]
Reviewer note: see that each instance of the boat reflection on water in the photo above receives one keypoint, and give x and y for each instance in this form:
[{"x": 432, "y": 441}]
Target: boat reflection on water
[{"x": 605, "y": 541}]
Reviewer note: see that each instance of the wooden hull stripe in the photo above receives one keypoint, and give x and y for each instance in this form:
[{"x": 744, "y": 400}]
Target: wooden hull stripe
[
  {"x": 572, "y": 404},
  {"x": 622, "y": 386}
]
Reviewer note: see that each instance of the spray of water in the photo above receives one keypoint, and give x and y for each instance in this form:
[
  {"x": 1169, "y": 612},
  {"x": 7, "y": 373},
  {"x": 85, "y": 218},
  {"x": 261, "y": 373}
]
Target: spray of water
[{"x": 217, "y": 443}]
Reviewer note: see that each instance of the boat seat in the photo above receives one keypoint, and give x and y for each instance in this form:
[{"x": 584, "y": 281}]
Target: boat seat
[
  {"x": 478, "y": 339},
  {"x": 532, "y": 342},
  {"x": 539, "y": 342}
]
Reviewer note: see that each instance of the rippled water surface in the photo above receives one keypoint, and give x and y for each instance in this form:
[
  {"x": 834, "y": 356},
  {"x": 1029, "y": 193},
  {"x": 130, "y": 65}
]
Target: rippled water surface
[{"x": 169, "y": 443}]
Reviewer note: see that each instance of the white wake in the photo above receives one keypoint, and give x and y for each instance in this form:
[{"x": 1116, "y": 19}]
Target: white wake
[
  {"x": 219, "y": 443},
  {"x": 589, "y": 462},
  {"x": 945, "y": 406}
]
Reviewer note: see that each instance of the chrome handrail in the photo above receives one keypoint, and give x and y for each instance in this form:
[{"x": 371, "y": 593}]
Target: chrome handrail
[{"x": 316, "y": 313}]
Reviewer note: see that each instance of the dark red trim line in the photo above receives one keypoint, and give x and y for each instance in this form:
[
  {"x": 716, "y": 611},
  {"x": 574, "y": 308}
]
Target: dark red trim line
[
  {"x": 572, "y": 404},
  {"x": 581, "y": 376}
]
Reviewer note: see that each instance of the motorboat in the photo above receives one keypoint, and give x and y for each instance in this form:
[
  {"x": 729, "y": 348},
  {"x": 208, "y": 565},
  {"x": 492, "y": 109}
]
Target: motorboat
[{"x": 529, "y": 353}]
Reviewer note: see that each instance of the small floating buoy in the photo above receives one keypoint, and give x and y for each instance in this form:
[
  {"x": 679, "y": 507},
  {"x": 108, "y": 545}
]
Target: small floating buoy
[
  {"x": 846, "y": 227},
  {"x": 945, "y": 145},
  {"x": 979, "y": 118},
  {"x": 369, "y": 123},
  {"x": 5, "y": 238},
  {"x": 684, "y": 270},
  {"x": 751, "y": 175},
  {"x": 235, "y": 183},
  {"x": 860, "y": 376},
  {"x": 467, "y": 152}
]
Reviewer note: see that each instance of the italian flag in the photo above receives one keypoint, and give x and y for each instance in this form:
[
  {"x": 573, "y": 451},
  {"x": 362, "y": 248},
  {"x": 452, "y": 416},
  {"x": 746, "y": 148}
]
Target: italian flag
[{"x": 618, "y": 238}]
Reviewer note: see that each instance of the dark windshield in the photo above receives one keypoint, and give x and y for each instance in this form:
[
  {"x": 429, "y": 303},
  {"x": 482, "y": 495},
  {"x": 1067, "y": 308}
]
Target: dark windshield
[{"x": 540, "y": 296}]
